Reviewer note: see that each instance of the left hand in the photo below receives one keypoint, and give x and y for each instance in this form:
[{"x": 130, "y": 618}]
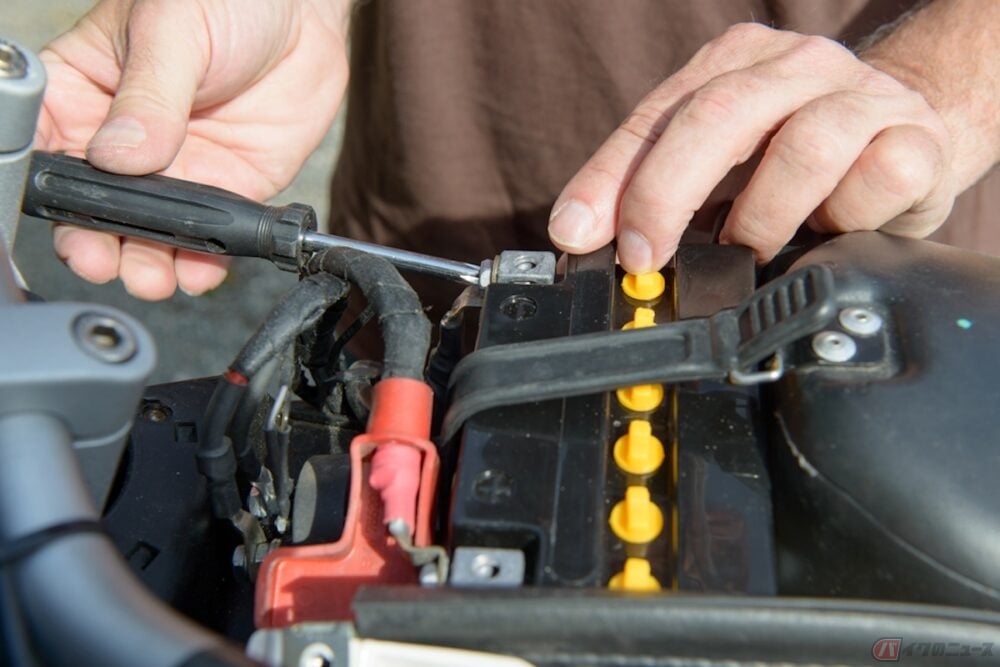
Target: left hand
[{"x": 841, "y": 145}]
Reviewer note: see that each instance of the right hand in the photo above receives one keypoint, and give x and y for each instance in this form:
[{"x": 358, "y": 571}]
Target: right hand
[{"x": 233, "y": 94}]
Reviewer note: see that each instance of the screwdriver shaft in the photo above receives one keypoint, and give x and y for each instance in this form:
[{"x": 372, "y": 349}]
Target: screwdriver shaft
[{"x": 461, "y": 272}]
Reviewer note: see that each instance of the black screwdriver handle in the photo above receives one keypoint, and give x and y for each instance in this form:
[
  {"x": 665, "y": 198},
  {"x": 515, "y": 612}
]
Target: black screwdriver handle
[{"x": 167, "y": 210}]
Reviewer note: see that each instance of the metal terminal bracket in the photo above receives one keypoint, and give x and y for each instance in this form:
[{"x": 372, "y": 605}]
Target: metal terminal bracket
[
  {"x": 482, "y": 567},
  {"x": 524, "y": 267},
  {"x": 277, "y": 418},
  {"x": 420, "y": 556},
  {"x": 471, "y": 297},
  {"x": 303, "y": 645}
]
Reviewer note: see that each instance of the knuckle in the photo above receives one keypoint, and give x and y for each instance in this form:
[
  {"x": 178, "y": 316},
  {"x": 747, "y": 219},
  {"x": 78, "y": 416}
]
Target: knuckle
[
  {"x": 880, "y": 83},
  {"x": 742, "y": 33},
  {"x": 814, "y": 50},
  {"x": 645, "y": 123},
  {"x": 711, "y": 106},
  {"x": 902, "y": 169},
  {"x": 804, "y": 148}
]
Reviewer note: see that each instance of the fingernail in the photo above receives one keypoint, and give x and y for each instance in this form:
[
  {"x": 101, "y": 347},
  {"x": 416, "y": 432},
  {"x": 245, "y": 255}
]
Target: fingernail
[
  {"x": 122, "y": 132},
  {"x": 190, "y": 292},
  {"x": 572, "y": 225},
  {"x": 635, "y": 252}
]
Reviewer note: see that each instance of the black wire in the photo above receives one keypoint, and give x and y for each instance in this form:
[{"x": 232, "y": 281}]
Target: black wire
[
  {"x": 299, "y": 309},
  {"x": 406, "y": 330},
  {"x": 363, "y": 318}
]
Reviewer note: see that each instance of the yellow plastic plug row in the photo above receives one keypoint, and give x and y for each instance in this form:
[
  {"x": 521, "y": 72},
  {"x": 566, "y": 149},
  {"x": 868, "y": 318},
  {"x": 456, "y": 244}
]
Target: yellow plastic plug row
[{"x": 637, "y": 519}]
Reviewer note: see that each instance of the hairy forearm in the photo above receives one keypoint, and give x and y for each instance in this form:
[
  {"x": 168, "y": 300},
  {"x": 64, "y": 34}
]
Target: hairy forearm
[{"x": 949, "y": 51}]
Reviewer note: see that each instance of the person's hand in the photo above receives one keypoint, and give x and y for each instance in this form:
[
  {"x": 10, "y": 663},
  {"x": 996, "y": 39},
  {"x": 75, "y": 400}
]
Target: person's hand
[
  {"x": 841, "y": 145},
  {"x": 234, "y": 94}
]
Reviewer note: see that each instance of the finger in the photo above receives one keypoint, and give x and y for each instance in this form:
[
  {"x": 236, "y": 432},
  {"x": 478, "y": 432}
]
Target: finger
[
  {"x": 584, "y": 215},
  {"x": 165, "y": 61},
  {"x": 147, "y": 269},
  {"x": 198, "y": 273},
  {"x": 93, "y": 256},
  {"x": 894, "y": 179},
  {"x": 720, "y": 126},
  {"x": 803, "y": 163}
]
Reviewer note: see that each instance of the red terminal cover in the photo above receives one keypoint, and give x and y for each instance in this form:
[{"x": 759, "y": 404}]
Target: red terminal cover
[{"x": 318, "y": 582}]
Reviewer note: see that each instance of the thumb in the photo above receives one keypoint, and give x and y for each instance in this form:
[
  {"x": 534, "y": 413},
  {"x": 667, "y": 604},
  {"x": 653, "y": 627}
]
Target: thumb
[{"x": 164, "y": 63}]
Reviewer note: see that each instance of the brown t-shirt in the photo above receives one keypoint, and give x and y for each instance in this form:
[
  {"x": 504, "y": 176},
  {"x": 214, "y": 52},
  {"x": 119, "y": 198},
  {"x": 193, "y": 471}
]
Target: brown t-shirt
[{"x": 467, "y": 117}]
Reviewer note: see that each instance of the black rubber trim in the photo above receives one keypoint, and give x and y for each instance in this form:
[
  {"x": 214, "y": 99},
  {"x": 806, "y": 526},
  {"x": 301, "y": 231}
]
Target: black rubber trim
[{"x": 596, "y": 628}]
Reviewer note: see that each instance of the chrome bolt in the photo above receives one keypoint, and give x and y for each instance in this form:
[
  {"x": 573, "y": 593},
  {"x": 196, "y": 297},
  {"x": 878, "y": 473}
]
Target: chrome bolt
[
  {"x": 13, "y": 64},
  {"x": 834, "y": 346},
  {"x": 104, "y": 338},
  {"x": 860, "y": 321}
]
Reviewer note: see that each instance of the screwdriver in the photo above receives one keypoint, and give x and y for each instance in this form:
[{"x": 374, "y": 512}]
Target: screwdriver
[{"x": 203, "y": 218}]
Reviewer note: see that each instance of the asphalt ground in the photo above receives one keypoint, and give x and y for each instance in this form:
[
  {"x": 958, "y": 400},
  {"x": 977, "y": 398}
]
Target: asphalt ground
[{"x": 197, "y": 336}]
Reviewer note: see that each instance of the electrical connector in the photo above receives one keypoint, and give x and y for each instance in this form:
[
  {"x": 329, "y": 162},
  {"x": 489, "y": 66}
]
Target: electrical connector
[
  {"x": 636, "y": 576},
  {"x": 639, "y": 452},
  {"x": 637, "y": 519}
]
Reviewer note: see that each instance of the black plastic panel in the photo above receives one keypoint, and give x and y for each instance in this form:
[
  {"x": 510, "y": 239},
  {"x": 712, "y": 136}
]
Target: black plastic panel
[{"x": 887, "y": 466}]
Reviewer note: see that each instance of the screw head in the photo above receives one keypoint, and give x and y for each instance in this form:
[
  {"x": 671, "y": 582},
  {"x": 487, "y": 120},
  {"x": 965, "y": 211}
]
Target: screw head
[
  {"x": 860, "y": 321},
  {"x": 13, "y": 64},
  {"x": 834, "y": 346},
  {"x": 484, "y": 567},
  {"x": 155, "y": 411},
  {"x": 317, "y": 654},
  {"x": 104, "y": 338}
]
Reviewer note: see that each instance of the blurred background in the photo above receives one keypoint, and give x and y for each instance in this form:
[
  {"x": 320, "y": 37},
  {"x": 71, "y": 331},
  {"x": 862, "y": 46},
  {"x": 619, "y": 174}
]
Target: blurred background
[{"x": 195, "y": 336}]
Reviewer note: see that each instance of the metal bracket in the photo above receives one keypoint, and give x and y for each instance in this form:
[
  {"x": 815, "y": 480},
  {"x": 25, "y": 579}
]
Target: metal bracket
[
  {"x": 483, "y": 567},
  {"x": 524, "y": 267},
  {"x": 432, "y": 555}
]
